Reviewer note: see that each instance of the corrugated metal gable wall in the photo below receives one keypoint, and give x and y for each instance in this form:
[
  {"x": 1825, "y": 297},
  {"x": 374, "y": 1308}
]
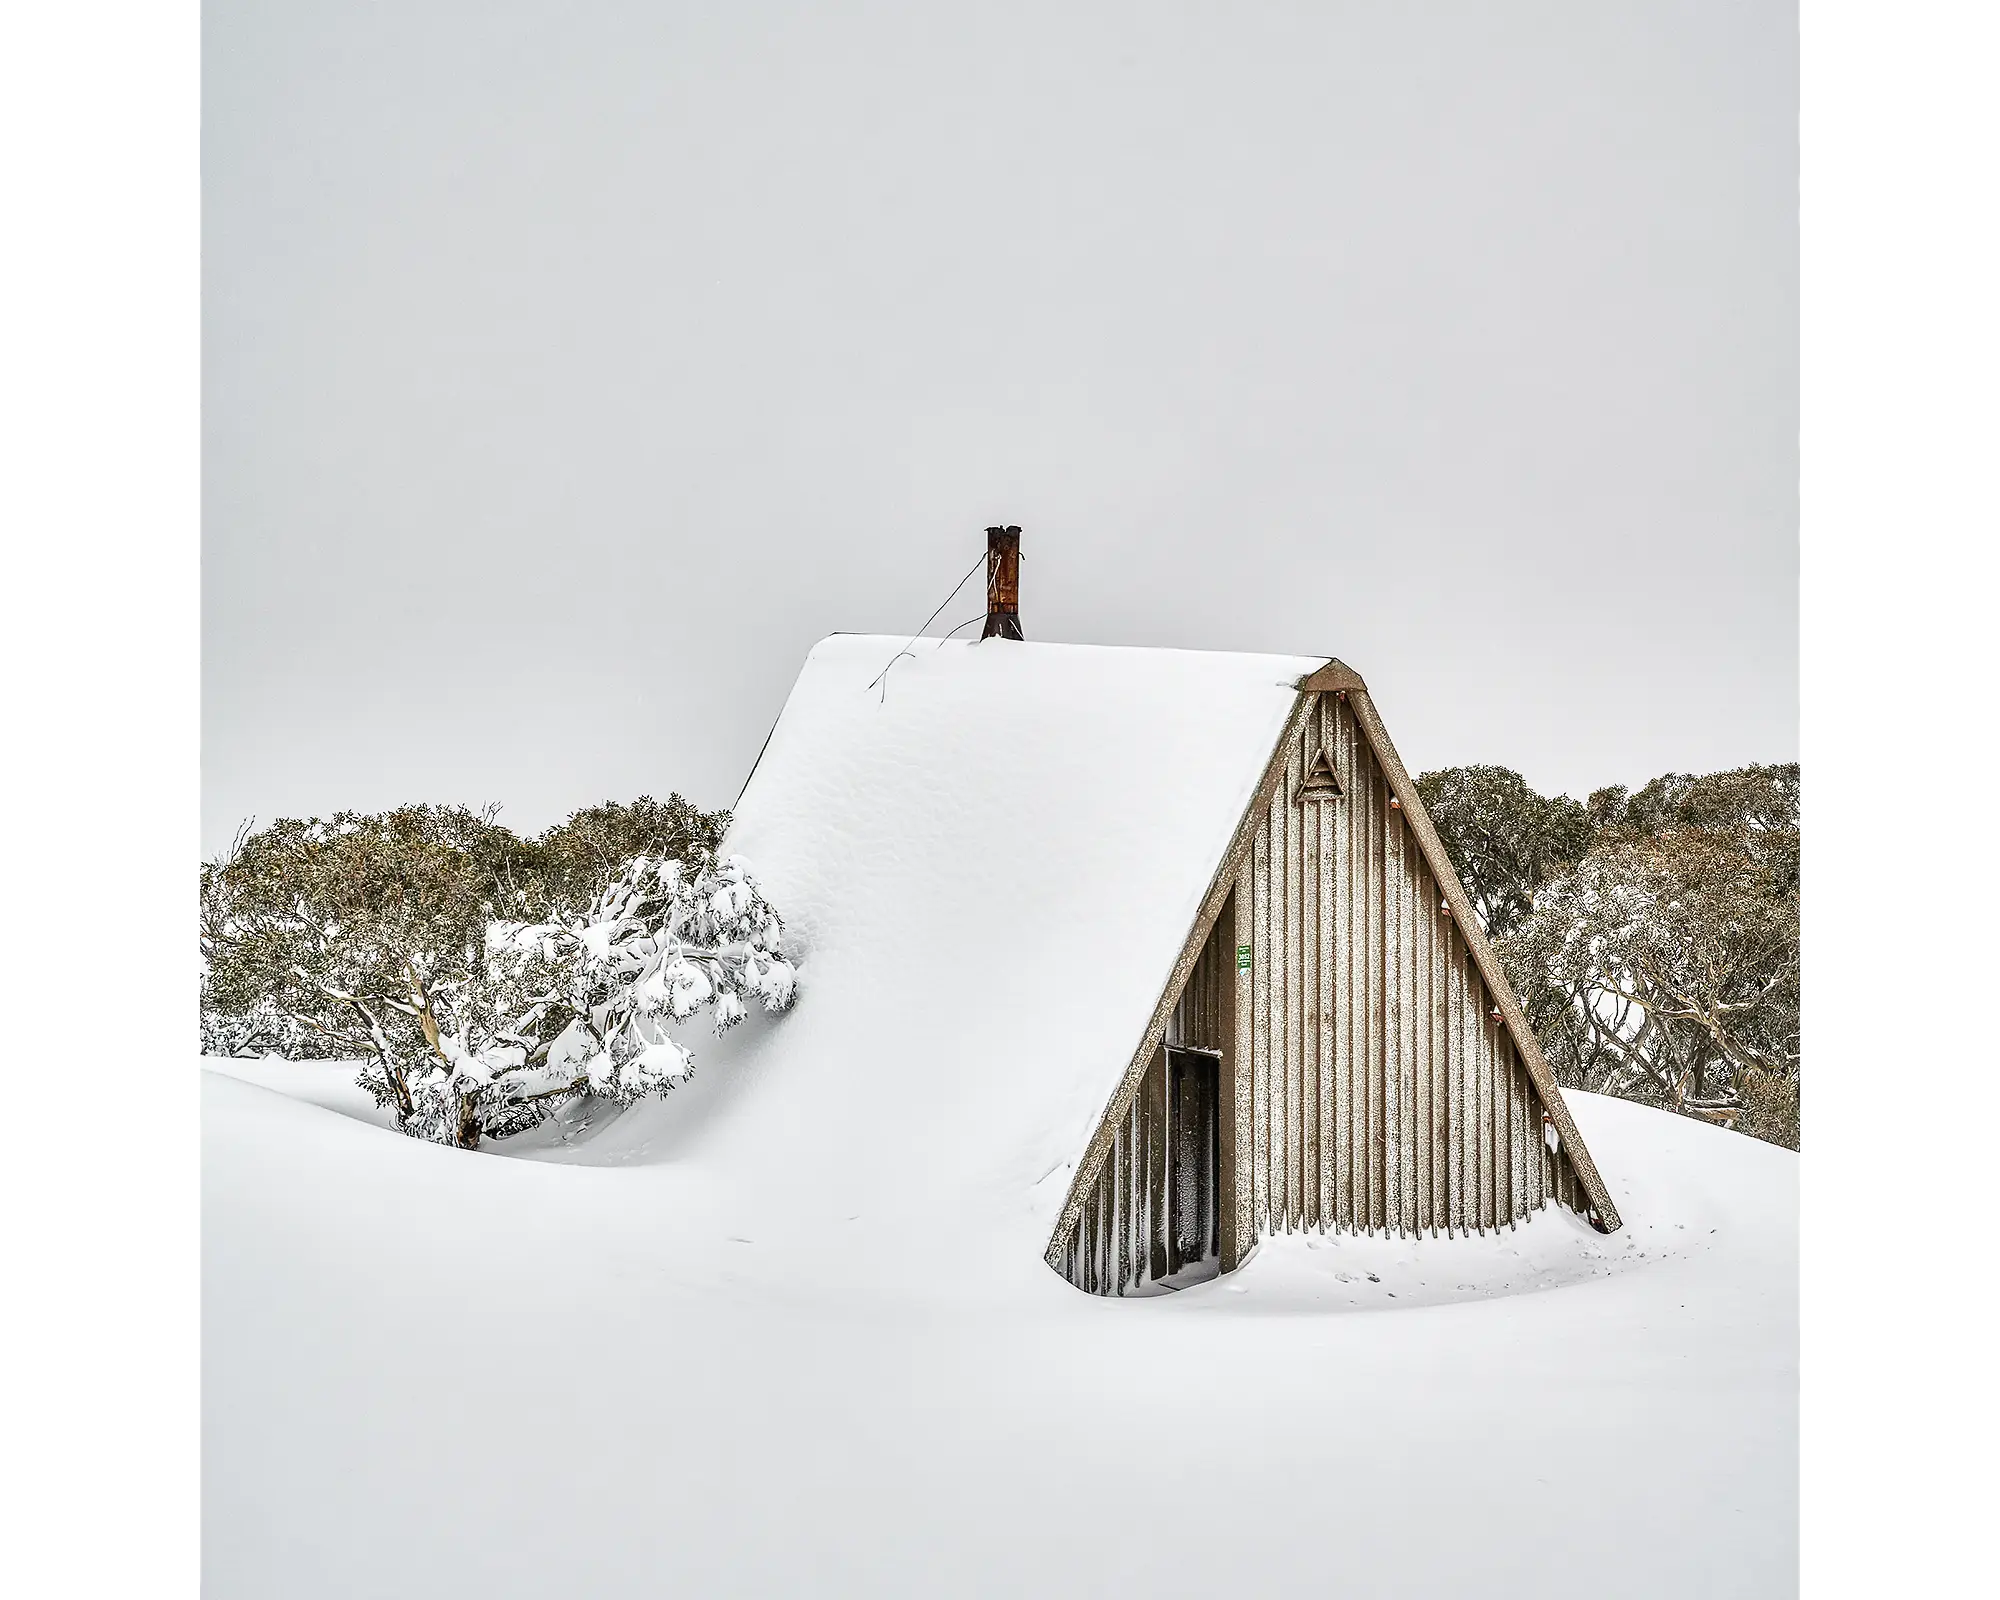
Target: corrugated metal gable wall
[
  {"x": 1382, "y": 1093},
  {"x": 1385, "y": 1096}
]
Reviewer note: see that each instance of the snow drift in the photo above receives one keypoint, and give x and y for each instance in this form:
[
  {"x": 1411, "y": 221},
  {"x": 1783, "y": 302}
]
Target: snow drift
[{"x": 428, "y": 1372}]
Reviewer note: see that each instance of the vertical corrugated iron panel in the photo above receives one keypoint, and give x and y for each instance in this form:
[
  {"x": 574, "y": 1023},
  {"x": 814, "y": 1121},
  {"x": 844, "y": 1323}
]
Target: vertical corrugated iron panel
[
  {"x": 1471, "y": 1023},
  {"x": 1341, "y": 888},
  {"x": 1440, "y": 1095},
  {"x": 1391, "y": 991},
  {"x": 1328, "y": 1015},
  {"x": 1414, "y": 1113},
  {"x": 1294, "y": 1005},
  {"x": 1503, "y": 1127},
  {"x": 1453, "y": 1027},
  {"x": 1260, "y": 1026},
  {"x": 1312, "y": 1011},
  {"x": 1283, "y": 993},
  {"x": 1531, "y": 1133},
  {"x": 1517, "y": 1127},
  {"x": 1536, "y": 1160},
  {"x": 1420, "y": 1047},
  {"x": 1483, "y": 1072}
]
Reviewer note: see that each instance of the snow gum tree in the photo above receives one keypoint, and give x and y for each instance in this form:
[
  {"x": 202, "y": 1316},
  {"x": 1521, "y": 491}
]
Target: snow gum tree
[
  {"x": 576, "y": 858},
  {"x": 1664, "y": 965},
  {"x": 473, "y": 973},
  {"x": 1652, "y": 936},
  {"x": 1505, "y": 840}
]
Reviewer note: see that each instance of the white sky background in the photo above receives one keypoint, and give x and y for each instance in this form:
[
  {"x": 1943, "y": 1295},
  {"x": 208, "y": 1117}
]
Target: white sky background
[{"x": 571, "y": 368}]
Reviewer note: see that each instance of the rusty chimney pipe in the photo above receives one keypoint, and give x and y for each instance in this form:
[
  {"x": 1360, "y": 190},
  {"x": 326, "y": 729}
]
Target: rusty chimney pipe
[{"x": 1003, "y": 584}]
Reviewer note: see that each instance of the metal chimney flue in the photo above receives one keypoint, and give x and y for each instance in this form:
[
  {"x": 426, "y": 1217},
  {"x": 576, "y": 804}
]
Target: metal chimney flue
[{"x": 1003, "y": 584}]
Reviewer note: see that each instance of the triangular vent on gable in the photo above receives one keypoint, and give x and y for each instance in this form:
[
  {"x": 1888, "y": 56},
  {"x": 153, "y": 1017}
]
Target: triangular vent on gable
[{"x": 1321, "y": 781}]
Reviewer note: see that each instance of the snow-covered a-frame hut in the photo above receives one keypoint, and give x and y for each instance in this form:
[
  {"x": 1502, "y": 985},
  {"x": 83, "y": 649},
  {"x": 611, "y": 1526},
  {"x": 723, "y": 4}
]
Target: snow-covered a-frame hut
[{"x": 1136, "y": 956}]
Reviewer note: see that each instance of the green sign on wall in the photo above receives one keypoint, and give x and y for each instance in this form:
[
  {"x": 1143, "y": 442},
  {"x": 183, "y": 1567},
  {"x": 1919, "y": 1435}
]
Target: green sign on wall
[{"x": 1242, "y": 958}]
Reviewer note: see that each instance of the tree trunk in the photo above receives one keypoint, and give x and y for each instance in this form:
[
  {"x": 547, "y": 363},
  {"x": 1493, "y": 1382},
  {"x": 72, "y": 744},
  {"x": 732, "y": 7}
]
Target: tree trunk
[
  {"x": 468, "y": 1122},
  {"x": 406, "y": 1108}
]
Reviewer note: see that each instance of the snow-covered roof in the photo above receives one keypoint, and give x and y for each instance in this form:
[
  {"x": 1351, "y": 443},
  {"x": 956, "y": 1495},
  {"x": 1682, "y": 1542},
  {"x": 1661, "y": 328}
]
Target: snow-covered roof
[{"x": 988, "y": 861}]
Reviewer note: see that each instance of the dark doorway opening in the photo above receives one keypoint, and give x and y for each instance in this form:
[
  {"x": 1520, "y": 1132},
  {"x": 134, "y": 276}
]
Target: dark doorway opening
[{"x": 1194, "y": 1159}]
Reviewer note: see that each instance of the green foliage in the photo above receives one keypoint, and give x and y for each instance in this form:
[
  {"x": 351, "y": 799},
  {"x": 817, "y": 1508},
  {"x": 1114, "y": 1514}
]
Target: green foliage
[
  {"x": 578, "y": 857},
  {"x": 365, "y": 934},
  {"x": 1505, "y": 840},
  {"x": 1652, "y": 937},
  {"x": 1745, "y": 799}
]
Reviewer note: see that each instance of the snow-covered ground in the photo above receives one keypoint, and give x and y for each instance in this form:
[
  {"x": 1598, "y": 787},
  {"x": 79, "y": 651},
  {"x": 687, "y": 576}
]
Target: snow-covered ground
[{"x": 612, "y": 1370}]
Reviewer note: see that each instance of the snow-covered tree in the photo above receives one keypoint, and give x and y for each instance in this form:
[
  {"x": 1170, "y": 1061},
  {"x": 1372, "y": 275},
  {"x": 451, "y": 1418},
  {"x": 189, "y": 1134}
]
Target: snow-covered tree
[
  {"x": 263, "y": 1030},
  {"x": 428, "y": 943},
  {"x": 590, "y": 1004}
]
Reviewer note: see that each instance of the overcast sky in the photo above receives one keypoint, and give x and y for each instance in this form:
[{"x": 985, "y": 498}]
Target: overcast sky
[{"x": 572, "y": 367}]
